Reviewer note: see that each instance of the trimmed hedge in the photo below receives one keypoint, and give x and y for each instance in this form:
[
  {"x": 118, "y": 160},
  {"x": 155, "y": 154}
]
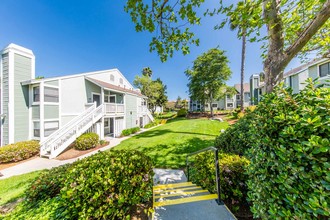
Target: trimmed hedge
[
  {"x": 107, "y": 186},
  {"x": 87, "y": 141},
  {"x": 182, "y": 113},
  {"x": 19, "y": 151},
  {"x": 232, "y": 177},
  {"x": 130, "y": 131},
  {"x": 287, "y": 140}
]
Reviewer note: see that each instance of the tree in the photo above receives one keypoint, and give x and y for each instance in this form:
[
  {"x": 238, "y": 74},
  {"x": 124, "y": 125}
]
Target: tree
[
  {"x": 154, "y": 90},
  {"x": 294, "y": 27},
  {"x": 147, "y": 72},
  {"x": 178, "y": 103},
  {"x": 208, "y": 75}
]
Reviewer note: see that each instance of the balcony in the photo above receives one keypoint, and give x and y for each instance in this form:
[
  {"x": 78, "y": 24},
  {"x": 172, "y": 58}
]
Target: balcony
[
  {"x": 229, "y": 100},
  {"x": 113, "y": 108}
]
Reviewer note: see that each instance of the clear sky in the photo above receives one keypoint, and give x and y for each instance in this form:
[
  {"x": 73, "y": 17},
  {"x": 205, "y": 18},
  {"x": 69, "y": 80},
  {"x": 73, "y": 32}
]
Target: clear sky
[{"x": 75, "y": 36}]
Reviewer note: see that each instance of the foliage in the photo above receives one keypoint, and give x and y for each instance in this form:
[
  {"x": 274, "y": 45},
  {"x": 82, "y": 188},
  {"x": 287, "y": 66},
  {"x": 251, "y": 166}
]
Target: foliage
[
  {"x": 207, "y": 77},
  {"x": 107, "y": 185},
  {"x": 86, "y": 141},
  {"x": 155, "y": 90},
  {"x": 232, "y": 176},
  {"x": 182, "y": 113},
  {"x": 19, "y": 151},
  {"x": 48, "y": 184},
  {"x": 130, "y": 131},
  {"x": 168, "y": 145},
  {"x": 155, "y": 123},
  {"x": 13, "y": 187},
  {"x": 294, "y": 27},
  {"x": 291, "y": 158},
  {"x": 166, "y": 115},
  {"x": 102, "y": 142}
]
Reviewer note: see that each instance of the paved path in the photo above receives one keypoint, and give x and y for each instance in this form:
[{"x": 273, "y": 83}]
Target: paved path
[{"x": 44, "y": 163}]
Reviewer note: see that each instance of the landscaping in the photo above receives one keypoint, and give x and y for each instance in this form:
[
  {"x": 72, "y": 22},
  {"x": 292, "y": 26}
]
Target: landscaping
[
  {"x": 168, "y": 145},
  {"x": 19, "y": 151}
]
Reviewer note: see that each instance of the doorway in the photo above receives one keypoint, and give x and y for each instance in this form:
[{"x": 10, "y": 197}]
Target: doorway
[
  {"x": 97, "y": 99},
  {"x": 109, "y": 127}
]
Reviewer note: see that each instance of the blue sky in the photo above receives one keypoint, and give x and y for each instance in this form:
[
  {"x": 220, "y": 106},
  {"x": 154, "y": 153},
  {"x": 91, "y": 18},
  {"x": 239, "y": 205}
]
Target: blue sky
[{"x": 78, "y": 36}]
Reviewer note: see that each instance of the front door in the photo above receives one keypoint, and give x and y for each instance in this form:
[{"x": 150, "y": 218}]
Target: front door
[
  {"x": 112, "y": 125},
  {"x": 97, "y": 99},
  {"x": 141, "y": 122}
]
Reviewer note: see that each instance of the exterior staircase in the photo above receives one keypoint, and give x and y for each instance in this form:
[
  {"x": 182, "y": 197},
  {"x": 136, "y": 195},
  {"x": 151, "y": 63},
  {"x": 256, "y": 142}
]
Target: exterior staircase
[
  {"x": 179, "y": 193},
  {"x": 58, "y": 141}
]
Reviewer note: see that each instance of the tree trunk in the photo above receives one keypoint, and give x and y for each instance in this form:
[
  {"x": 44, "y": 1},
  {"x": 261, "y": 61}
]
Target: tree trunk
[
  {"x": 242, "y": 69},
  {"x": 211, "y": 101}
]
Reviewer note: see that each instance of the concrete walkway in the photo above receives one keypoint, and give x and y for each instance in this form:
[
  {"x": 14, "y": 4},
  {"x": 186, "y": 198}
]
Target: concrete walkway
[
  {"x": 44, "y": 163},
  {"x": 201, "y": 210}
]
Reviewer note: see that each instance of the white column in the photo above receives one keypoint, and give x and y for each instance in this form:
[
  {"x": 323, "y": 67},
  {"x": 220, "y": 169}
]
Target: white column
[{"x": 42, "y": 111}]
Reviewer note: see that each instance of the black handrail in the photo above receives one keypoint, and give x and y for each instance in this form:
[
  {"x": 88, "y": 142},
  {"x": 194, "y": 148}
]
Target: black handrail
[{"x": 217, "y": 169}]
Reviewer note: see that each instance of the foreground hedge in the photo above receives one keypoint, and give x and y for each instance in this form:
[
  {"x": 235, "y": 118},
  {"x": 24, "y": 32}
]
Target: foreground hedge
[
  {"x": 19, "y": 151},
  {"x": 107, "y": 185},
  {"x": 232, "y": 177},
  {"x": 288, "y": 144},
  {"x": 87, "y": 141}
]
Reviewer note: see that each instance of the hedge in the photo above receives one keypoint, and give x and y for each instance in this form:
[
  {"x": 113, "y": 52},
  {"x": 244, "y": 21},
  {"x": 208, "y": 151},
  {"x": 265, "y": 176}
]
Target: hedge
[
  {"x": 19, "y": 151},
  {"x": 232, "y": 177},
  {"x": 155, "y": 123},
  {"x": 287, "y": 140},
  {"x": 130, "y": 131},
  {"x": 107, "y": 185},
  {"x": 87, "y": 141},
  {"x": 182, "y": 113}
]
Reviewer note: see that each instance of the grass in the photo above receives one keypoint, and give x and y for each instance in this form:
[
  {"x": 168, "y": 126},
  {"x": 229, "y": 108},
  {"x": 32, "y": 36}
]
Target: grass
[
  {"x": 13, "y": 188},
  {"x": 168, "y": 145}
]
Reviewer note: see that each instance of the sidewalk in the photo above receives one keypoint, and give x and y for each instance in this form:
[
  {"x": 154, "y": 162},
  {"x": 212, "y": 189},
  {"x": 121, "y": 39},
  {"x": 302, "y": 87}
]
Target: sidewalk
[{"x": 44, "y": 163}]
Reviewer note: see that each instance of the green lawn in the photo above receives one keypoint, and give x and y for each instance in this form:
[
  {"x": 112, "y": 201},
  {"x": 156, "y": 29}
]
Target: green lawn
[
  {"x": 13, "y": 188},
  {"x": 169, "y": 144}
]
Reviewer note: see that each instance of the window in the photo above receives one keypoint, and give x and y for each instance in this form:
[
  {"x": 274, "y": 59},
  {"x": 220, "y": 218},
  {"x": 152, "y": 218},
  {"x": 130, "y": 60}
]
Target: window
[
  {"x": 290, "y": 81},
  {"x": 228, "y": 97},
  {"x": 121, "y": 81},
  {"x": 50, "y": 127},
  {"x": 51, "y": 94},
  {"x": 324, "y": 69},
  {"x": 206, "y": 105},
  {"x": 36, "y": 129},
  {"x": 112, "y": 99},
  {"x": 214, "y": 105},
  {"x": 238, "y": 97},
  {"x": 230, "y": 105},
  {"x": 36, "y": 94},
  {"x": 112, "y": 78}
]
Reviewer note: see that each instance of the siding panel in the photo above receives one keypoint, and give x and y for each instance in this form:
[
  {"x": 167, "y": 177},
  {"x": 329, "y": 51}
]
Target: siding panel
[
  {"x": 5, "y": 101},
  {"x": 131, "y": 107}
]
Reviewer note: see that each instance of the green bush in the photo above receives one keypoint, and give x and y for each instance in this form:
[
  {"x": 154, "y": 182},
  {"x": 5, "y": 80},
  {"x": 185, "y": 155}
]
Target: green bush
[
  {"x": 19, "y": 151},
  {"x": 107, "y": 185},
  {"x": 48, "y": 184},
  {"x": 232, "y": 177},
  {"x": 87, "y": 141},
  {"x": 182, "y": 113},
  {"x": 239, "y": 137},
  {"x": 130, "y": 131},
  {"x": 155, "y": 123}
]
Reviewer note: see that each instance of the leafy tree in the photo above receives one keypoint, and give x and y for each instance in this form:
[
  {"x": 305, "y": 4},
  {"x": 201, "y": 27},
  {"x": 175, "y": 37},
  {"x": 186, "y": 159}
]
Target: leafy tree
[
  {"x": 147, "y": 71},
  {"x": 294, "y": 27},
  {"x": 155, "y": 90},
  {"x": 208, "y": 75},
  {"x": 178, "y": 103}
]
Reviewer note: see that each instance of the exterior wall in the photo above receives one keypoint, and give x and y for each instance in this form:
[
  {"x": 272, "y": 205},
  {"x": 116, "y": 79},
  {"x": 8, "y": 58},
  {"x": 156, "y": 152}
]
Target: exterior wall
[
  {"x": 22, "y": 72},
  {"x": 51, "y": 112},
  {"x": 295, "y": 83},
  {"x": 73, "y": 97},
  {"x": 5, "y": 98},
  {"x": 90, "y": 89},
  {"x": 131, "y": 111},
  {"x": 106, "y": 77},
  {"x": 52, "y": 83},
  {"x": 35, "y": 112},
  {"x": 314, "y": 73}
]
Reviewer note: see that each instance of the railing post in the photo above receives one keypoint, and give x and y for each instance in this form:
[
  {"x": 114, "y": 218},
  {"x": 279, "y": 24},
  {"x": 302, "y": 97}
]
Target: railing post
[
  {"x": 217, "y": 173},
  {"x": 187, "y": 168}
]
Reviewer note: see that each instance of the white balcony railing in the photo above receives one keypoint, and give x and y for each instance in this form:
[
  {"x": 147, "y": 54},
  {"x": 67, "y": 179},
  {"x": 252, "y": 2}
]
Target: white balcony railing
[{"x": 113, "y": 108}]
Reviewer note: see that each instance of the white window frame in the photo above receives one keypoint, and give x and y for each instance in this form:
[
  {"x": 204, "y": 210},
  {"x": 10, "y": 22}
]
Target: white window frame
[
  {"x": 35, "y": 137},
  {"x": 112, "y": 78},
  {"x": 36, "y": 102},
  {"x": 214, "y": 104},
  {"x": 51, "y": 120},
  {"x": 113, "y": 96},
  {"x": 54, "y": 87}
]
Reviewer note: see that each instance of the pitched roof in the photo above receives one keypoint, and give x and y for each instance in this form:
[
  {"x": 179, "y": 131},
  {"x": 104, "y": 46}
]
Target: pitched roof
[
  {"x": 114, "y": 87},
  {"x": 246, "y": 87},
  {"x": 302, "y": 67}
]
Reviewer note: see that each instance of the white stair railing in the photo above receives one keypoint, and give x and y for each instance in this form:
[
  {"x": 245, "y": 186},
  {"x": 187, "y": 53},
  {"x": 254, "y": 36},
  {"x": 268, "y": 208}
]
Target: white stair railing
[
  {"x": 57, "y": 142},
  {"x": 150, "y": 115}
]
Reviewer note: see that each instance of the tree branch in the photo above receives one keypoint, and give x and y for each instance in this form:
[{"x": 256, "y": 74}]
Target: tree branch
[{"x": 308, "y": 33}]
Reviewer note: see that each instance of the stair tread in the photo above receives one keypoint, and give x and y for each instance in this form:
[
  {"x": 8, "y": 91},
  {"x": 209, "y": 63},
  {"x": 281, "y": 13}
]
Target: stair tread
[
  {"x": 172, "y": 185},
  {"x": 178, "y": 190},
  {"x": 183, "y": 193},
  {"x": 185, "y": 200}
]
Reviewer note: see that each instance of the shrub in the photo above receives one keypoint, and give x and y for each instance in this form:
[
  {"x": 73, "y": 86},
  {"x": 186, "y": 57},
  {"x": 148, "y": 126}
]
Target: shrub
[
  {"x": 107, "y": 185},
  {"x": 87, "y": 141},
  {"x": 232, "y": 177},
  {"x": 155, "y": 123},
  {"x": 130, "y": 131},
  {"x": 19, "y": 151},
  {"x": 182, "y": 113},
  {"x": 48, "y": 184},
  {"x": 239, "y": 137}
]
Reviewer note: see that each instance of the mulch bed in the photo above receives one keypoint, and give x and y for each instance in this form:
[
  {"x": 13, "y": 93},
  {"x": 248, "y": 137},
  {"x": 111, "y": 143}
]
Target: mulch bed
[{"x": 71, "y": 152}]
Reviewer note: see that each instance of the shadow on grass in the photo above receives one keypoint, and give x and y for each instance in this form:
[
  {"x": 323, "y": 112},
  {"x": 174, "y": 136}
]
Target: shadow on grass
[
  {"x": 174, "y": 156},
  {"x": 153, "y": 133}
]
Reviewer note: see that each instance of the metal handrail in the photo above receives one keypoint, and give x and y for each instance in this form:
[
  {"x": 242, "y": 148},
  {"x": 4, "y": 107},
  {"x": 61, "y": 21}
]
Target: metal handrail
[{"x": 217, "y": 169}]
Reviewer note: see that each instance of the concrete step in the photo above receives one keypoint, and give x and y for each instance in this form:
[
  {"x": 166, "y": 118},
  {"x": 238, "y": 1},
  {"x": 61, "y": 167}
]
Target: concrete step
[
  {"x": 183, "y": 193},
  {"x": 185, "y": 200}
]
